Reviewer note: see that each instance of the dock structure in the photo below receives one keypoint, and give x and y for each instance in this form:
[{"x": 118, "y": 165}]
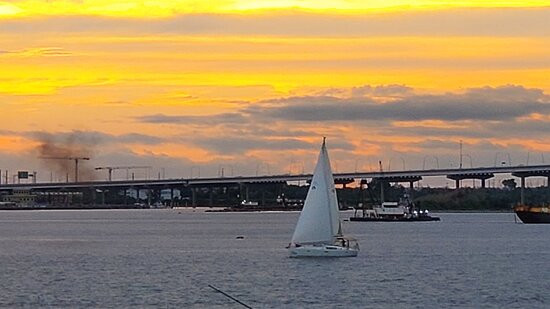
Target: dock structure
[{"x": 193, "y": 189}]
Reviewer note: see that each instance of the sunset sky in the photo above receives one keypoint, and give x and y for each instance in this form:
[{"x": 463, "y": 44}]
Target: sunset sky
[{"x": 252, "y": 86}]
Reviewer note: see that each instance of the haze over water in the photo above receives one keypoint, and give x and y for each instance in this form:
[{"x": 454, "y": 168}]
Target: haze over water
[{"x": 167, "y": 258}]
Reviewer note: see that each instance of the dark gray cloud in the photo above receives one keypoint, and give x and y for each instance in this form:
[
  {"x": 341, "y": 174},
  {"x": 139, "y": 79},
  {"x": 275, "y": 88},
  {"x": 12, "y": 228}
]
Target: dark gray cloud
[
  {"x": 437, "y": 144},
  {"x": 138, "y": 138},
  {"x": 8, "y": 132},
  {"x": 478, "y": 113},
  {"x": 366, "y": 90},
  {"x": 502, "y": 103},
  {"x": 90, "y": 138},
  {"x": 52, "y": 51},
  {"x": 262, "y": 130},
  {"x": 196, "y": 120},
  {"x": 382, "y": 90},
  {"x": 524, "y": 128},
  {"x": 477, "y": 129},
  {"x": 467, "y": 22},
  {"x": 234, "y": 145}
]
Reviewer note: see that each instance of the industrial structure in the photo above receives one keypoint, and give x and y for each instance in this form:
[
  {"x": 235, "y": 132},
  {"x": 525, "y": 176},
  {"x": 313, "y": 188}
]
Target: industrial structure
[
  {"x": 75, "y": 159},
  {"x": 127, "y": 168}
]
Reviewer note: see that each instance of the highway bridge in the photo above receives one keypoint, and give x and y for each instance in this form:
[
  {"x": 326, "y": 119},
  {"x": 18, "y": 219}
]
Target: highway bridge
[
  {"x": 410, "y": 176},
  {"x": 391, "y": 176}
]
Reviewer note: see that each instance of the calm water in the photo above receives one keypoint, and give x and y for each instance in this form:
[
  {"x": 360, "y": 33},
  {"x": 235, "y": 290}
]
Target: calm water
[{"x": 166, "y": 258}]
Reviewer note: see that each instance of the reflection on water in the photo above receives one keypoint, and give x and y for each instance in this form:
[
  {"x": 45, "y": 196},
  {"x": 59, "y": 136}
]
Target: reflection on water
[{"x": 167, "y": 258}]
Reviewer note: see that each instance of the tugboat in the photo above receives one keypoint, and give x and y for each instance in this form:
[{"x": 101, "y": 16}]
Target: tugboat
[
  {"x": 533, "y": 214},
  {"x": 402, "y": 211}
]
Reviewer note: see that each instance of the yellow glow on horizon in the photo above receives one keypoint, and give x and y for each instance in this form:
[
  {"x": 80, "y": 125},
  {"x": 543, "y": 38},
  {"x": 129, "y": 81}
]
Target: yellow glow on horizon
[
  {"x": 380, "y": 5},
  {"x": 7, "y": 9},
  {"x": 166, "y": 8},
  {"x": 252, "y": 68}
]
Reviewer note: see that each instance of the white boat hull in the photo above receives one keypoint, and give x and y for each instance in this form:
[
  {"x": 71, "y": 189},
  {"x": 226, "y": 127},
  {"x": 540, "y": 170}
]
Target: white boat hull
[{"x": 322, "y": 251}]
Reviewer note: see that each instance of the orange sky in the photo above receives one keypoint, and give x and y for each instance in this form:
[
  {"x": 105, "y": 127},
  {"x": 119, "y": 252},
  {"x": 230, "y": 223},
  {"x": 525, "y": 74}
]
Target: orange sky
[{"x": 183, "y": 84}]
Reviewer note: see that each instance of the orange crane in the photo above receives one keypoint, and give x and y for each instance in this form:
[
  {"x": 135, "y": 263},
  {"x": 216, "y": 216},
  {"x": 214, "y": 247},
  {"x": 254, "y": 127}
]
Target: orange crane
[
  {"x": 76, "y": 160},
  {"x": 127, "y": 168}
]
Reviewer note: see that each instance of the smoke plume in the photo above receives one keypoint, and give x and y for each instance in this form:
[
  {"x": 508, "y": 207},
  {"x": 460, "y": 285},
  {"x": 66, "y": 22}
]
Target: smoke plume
[{"x": 58, "y": 153}]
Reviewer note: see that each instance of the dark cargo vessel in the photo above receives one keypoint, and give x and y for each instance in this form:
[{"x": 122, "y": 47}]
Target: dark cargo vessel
[{"x": 533, "y": 214}]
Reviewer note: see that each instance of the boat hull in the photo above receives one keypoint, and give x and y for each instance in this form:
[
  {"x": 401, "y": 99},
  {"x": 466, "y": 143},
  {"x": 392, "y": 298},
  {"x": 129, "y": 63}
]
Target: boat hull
[
  {"x": 416, "y": 219},
  {"x": 533, "y": 214},
  {"x": 322, "y": 251}
]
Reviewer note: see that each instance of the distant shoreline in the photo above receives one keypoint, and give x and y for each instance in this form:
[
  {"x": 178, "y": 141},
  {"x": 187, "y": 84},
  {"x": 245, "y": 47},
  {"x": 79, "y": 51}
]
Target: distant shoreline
[{"x": 225, "y": 210}]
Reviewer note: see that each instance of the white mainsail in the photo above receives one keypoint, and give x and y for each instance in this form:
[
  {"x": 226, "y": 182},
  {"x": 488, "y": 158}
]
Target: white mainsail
[{"x": 319, "y": 220}]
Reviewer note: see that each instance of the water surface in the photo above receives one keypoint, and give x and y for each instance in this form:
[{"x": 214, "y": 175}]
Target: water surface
[{"x": 167, "y": 258}]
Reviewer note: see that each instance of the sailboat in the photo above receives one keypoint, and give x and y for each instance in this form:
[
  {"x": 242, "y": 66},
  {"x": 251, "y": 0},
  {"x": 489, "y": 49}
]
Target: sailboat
[{"x": 318, "y": 232}]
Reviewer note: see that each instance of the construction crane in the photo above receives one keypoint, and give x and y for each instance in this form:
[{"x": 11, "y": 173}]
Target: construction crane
[
  {"x": 127, "y": 168},
  {"x": 76, "y": 160}
]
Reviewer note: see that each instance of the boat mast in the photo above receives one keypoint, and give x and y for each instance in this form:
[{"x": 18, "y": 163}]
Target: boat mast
[{"x": 331, "y": 189}]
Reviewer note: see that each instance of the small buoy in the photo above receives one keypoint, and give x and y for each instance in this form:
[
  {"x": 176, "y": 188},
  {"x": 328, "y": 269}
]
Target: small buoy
[{"x": 240, "y": 237}]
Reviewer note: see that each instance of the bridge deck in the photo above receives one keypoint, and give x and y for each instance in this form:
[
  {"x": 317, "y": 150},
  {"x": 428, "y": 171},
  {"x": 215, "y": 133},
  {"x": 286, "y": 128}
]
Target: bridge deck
[{"x": 535, "y": 170}]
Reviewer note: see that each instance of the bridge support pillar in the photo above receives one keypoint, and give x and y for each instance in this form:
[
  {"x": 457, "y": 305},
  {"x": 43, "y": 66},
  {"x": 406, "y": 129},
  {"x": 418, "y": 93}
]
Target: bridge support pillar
[
  {"x": 149, "y": 197},
  {"x": 382, "y": 192},
  {"x": 241, "y": 194},
  {"x": 182, "y": 191},
  {"x": 522, "y": 191},
  {"x": 66, "y": 199},
  {"x": 548, "y": 182},
  {"x": 483, "y": 183},
  {"x": 93, "y": 196},
  {"x": 171, "y": 197},
  {"x": 210, "y": 197},
  {"x": 125, "y": 196},
  {"x": 138, "y": 200},
  {"x": 457, "y": 183},
  {"x": 411, "y": 189},
  {"x": 193, "y": 197}
]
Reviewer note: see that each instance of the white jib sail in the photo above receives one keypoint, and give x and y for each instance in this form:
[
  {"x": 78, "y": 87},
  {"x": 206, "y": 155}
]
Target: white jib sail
[{"x": 319, "y": 220}]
